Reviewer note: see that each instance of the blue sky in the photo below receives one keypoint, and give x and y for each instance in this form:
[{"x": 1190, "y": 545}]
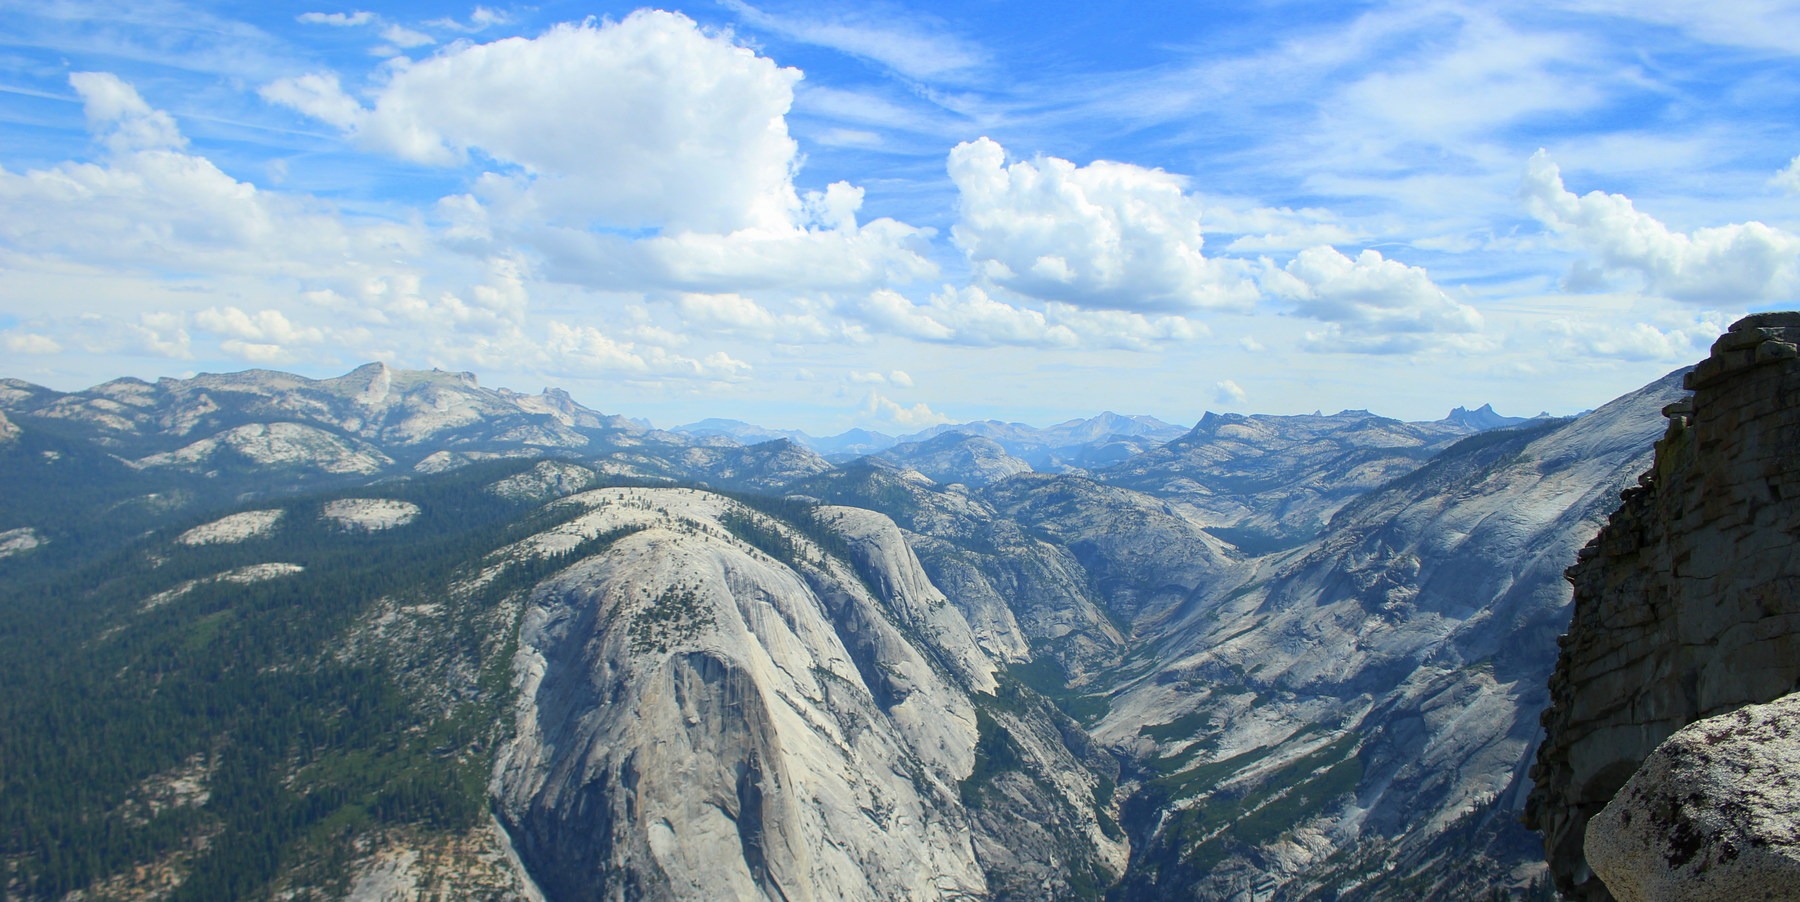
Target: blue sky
[{"x": 824, "y": 215}]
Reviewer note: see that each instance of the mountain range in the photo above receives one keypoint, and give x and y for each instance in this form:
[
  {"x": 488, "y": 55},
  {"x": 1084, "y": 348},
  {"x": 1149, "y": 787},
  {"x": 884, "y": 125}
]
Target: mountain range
[{"x": 398, "y": 633}]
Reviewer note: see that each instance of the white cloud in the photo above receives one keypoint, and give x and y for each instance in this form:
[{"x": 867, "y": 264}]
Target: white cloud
[
  {"x": 156, "y": 208},
  {"x": 582, "y": 350},
  {"x": 1743, "y": 263},
  {"x": 1266, "y": 229},
  {"x": 339, "y": 20},
  {"x": 881, "y": 252},
  {"x": 264, "y": 325},
  {"x": 31, "y": 343},
  {"x": 897, "y": 378},
  {"x": 1788, "y": 179},
  {"x": 1770, "y": 24},
  {"x": 1676, "y": 340},
  {"x": 1106, "y": 235},
  {"x": 481, "y": 19},
  {"x": 918, "y": 416},
  {"x": 158, "y": 334},
  {"x": 120, "y": 118},
  {"x": 406, "y": 38},
  {"x": 317, "y": 95},
  {"x": 1516, "y": 74},
  {"x": 739, "y": 315},
  {"x": 1228, "y": 392},
  {"x": 132, "y": 230},
  {"x": 258, "y": 352},
  {"x": 1369, "y": 304},
  {"x": 647, "y": 122},
  {"x": 970, "y": 316},
  {"x": 848, "y": 137},
  {"x": 887, "y": 40}
]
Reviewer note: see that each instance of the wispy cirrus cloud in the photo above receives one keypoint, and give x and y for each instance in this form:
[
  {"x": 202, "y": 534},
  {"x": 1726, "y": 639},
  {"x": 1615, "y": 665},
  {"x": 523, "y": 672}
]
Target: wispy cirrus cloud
[{"x": 890, "y": 38}]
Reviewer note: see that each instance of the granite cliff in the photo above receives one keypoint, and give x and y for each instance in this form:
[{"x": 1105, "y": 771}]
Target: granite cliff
[{"x": 1685, "y": 603}]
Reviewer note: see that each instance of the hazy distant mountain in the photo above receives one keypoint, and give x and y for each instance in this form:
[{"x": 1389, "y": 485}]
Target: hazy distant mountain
[
  {"x": 738, "y": 430},
  {"x": 852, "y": 443},
  {"x": 955, "y": 457},
  {"x": 1265, "y": 480},
  {"x": 1481, "y": 419}
]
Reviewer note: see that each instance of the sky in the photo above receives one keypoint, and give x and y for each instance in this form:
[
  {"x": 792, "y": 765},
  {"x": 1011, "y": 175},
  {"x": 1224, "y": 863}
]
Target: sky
[{"x": 891, "y": 215}]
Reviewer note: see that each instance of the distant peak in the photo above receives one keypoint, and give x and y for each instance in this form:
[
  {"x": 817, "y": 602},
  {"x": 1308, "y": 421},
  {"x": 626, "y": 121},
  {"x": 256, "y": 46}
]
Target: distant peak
[{"x": 1479, "y": 419}]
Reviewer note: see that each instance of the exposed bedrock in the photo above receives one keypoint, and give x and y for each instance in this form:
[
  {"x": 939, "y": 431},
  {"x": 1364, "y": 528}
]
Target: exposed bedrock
[
  {"x": 1712, "y": 816},
  {"x": 1687, "y": 604}
]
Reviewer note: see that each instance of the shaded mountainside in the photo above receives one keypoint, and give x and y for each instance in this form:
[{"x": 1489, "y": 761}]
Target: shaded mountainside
[
  {"x": 1344, "y": 715},
  {"x": 1295, "y": 656}
]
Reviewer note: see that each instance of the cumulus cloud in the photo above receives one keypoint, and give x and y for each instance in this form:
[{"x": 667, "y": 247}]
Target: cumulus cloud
[
  {"x": 318, "y": 95},
  {"x": 639, "y": 155},
  {"x": 736, "y": 314},
  {"x": 1788, "y": 179},
  {"x": 156, "y": 207},
  {"x": 880, "y": 253},
  {"x": 646, "y": 122},
  {"x": 114, "y": 231},
  {"x": 1743, "y": 263},
  {"x": 583, "y": 350},
  {"x": 1674, "y": 339},
  {"x": 120, "y": 118},
  {"x": 898, "y": 378},
  {"x": 970, "y": 316},
  {"x": 1106, "y": 235},
  {"x": 405, "y": 38},
  {"x": 269, "y": 326},
  {"x": 1369, "y": 303},
  {"x": 883, "y": 409},
  {"x": 1228, "y": 392}
]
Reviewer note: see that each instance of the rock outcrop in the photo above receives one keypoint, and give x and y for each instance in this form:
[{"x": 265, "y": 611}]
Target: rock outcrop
[
  {"x": 1687, "y": 604},
  {"x": 1712, "y": 816},
  {"x": 719, "y": 706}
]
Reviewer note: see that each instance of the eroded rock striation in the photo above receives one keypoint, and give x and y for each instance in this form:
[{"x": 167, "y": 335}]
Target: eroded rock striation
[{"x": 1686, "y": 603}]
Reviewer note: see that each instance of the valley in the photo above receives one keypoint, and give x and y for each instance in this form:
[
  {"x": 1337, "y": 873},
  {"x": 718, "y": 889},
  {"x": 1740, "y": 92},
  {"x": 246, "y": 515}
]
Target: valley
[{"x": 395, "y": 632}]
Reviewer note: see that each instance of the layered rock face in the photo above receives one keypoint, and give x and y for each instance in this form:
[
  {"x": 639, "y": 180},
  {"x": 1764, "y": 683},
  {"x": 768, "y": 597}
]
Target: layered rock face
[{"x": 1687, "y": 604}]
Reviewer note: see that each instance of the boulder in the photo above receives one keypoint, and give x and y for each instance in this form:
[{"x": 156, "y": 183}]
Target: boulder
[{"x": 1713, "y": 813}]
